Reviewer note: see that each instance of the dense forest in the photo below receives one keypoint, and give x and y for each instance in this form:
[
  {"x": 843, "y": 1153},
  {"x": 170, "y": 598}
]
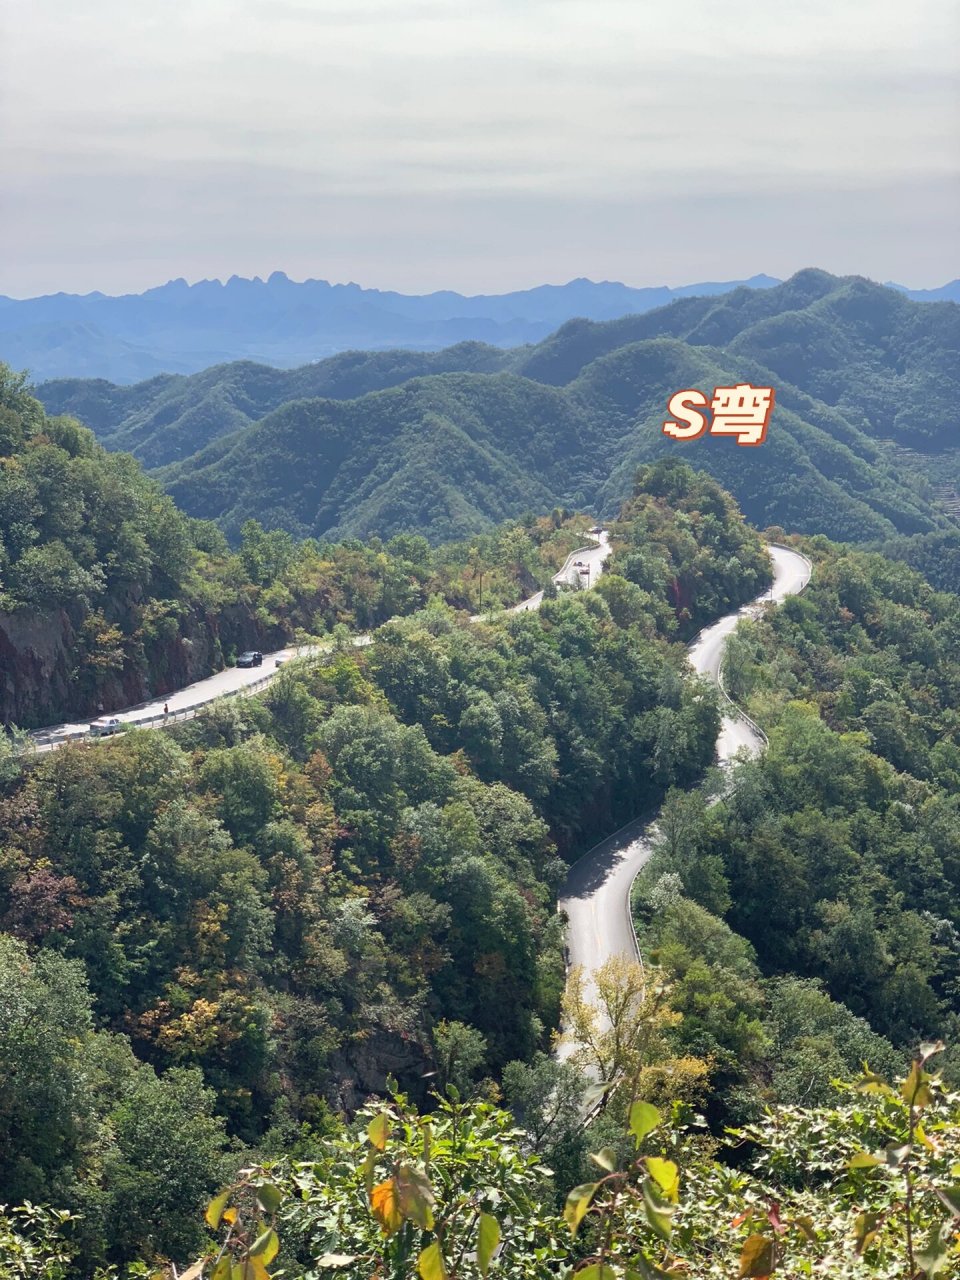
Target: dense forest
[
  {"x": 252, "y": 919},
  {"x": 446, "y": 442},
  {"x": 109, "y": 594},
  {"x": 305, "y": 947},
  {"x": 811, "y": 915}
]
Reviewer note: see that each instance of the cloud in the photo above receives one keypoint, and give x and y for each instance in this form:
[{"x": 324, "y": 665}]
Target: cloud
[{"x": 115, "y": 114}]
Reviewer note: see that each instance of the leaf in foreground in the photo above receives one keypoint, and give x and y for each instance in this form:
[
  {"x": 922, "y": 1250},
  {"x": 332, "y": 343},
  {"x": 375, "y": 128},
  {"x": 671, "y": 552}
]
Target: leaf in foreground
[
  {"x": 578, "y": 1202},
  {"x": 758, "y": 1257}
]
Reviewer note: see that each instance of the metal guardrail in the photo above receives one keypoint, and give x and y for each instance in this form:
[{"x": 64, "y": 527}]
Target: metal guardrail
[
  {"x": 735, "y": 707},
  {"x": 578, "y": 551},
  {"x": 158, "y": 720},
  {"x": 738, "y": 711}
]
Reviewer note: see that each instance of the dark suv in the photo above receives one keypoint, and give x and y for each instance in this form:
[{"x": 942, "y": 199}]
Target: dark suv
[{"x": 253, "y": 658}]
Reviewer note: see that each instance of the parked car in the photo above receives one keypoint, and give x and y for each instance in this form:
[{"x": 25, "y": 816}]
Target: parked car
[
  {"x": 584, "y": 572},
  {"x": 578, "y": 564},
  {"x": 596, "y": 529},
  {"x": 279, "y": 662},
  {"x": 106, "y": 725},
  {"x": 253, "y": 658}
]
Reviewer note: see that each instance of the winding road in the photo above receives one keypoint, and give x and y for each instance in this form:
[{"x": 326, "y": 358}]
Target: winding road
[
  {"x": 596, "y": 896},
  {"x": 185, "y": 702}
]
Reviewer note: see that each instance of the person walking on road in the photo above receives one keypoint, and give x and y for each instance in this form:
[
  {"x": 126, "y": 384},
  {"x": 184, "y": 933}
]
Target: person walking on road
[{"x": 166, "y": 710}]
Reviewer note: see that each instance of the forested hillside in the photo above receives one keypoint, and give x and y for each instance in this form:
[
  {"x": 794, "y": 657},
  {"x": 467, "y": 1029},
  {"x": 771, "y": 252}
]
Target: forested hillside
[
  {"x": 108, "y": 593},
  {"x": 445, "y": 443},
  {"x": 98, "y": 594},
  {"x": 171, "y": 416},
  {"x": 277, "y": 904},
  {"x": 831, "y": 871},
  {"x": 220, "y": 940}
]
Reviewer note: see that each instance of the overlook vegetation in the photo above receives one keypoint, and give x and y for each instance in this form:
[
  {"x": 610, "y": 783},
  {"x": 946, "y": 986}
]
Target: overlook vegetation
[{"x": 446, "y": 442}]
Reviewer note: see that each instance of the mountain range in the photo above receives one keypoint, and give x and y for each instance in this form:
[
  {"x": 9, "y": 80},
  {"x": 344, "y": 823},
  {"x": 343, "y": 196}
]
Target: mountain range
[
  {"x": 184, "y": 328},
  {"x": 445, "y": 442}
]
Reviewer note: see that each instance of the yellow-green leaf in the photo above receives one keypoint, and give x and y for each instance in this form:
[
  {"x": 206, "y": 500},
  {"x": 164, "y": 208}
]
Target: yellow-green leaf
[
  {"x": 578, "y": 1202},
  {"x": 606, "y": 1158},
  {"x": 916, "y": 1088},
  {"x": 644, "y": 1118},
  {"x": 248, "y": 1269},
  {"x": 920, "y": 1135},
  {"x": 385, "y": 1203},
  {"x": 488, "y": 1237},
  {"x": 864, "y": 1160},
  {"x": 415, "y": 1196},
  {"x": 865, "y": 1229},
  {"x": 378, "y": 1130},
  {"x": 643, "y": 1269},
  {"x": 336, "y": 1259},
  {"x": 595, "y": 1271},
  {"x": 215, "y": 1210},
  {"x": 194, "y": 1272},
  {"x": 805, "y": 1226},
  {"x": 269, "y": 1197},
  {"x": 369, "y": 1166},
  {"x": 656, "y": 1210},
  {"x": 266, "y": 1247},
  {"x": 427, "y": 1132},
  {"x": 430, "y": 1263},
  {"x": 223, "y": 1269},
  {"x": 666, "y": 1175},
  {"x": 758, "y": 1257},
  {"x": 870, "y": 1082}
]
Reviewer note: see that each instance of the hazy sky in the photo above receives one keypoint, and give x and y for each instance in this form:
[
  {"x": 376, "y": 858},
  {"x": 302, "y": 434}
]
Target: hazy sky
[{"x": 480, "y": 145}]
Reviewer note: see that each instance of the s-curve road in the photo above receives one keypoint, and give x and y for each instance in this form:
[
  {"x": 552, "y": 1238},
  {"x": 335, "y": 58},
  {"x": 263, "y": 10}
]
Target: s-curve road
[{"x": 596, "y": 897}]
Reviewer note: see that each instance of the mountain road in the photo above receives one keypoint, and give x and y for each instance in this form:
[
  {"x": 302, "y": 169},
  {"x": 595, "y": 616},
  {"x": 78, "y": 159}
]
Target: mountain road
[{"x": 596, "y": 896}]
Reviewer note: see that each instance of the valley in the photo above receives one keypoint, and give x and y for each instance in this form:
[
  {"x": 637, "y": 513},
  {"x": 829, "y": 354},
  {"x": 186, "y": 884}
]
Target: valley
[{"x": 375, "y": 443}]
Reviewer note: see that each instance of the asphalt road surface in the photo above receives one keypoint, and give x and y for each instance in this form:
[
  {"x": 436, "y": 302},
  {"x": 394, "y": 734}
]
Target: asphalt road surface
[
  {"x": 591, "y": 558},
  {"x": 596, "y": 897},
  {"x": 231, "y": 680},
  {"x": 184, "y": 702}
]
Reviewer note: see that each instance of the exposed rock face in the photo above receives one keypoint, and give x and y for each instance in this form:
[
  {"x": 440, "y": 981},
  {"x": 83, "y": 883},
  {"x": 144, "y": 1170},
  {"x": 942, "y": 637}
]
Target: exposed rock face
[
  {"x": 51, "y": 669},
  {"x": 361, "y": 1068}
]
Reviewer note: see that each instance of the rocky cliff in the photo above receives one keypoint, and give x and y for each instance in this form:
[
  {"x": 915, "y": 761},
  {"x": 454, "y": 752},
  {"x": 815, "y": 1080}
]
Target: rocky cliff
[{"x": 61, "y": 665}]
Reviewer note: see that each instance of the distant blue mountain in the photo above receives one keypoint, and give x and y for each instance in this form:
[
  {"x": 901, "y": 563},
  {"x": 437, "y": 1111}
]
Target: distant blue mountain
[
  {"x": 183, "y": 328},
  {"x": 946, "y": 293}
]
